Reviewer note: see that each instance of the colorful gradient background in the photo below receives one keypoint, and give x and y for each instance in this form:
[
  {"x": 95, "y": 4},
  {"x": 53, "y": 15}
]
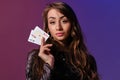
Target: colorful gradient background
[{"x": 99, "y": 19}]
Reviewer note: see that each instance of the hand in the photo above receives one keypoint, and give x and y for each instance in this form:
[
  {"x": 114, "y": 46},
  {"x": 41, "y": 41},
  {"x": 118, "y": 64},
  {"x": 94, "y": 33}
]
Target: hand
[{"x": 44, "y": 53}]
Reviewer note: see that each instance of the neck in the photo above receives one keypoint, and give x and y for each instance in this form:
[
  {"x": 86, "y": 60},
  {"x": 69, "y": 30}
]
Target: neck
[{"x": 64, "y": 43}]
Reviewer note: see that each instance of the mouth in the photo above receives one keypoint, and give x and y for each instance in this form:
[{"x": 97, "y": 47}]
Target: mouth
[{"x": 59, "y": 34}]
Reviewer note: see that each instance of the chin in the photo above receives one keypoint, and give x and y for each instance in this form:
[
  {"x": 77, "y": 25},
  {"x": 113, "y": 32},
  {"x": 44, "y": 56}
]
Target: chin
[{"x": 60, "y": 38}]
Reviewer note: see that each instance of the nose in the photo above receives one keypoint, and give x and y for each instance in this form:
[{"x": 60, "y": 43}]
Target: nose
[{"x": 58, "y": 26}]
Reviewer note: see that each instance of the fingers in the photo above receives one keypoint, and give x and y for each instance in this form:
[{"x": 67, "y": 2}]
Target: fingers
[
  {"x": 44, "y": 53},
  {"x": 44, "y": 48},
  {"x": 44, "y": 45},
  {"x": 42, "y": 41}
]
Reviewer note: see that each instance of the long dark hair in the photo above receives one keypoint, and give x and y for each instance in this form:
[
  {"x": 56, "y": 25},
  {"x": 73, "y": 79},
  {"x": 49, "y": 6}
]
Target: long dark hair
[{"x": 79, "y": 57}]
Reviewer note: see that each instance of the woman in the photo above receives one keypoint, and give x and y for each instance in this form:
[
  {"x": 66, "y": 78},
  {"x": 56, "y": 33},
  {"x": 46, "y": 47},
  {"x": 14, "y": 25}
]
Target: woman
[{"x": 64, "y": 56}]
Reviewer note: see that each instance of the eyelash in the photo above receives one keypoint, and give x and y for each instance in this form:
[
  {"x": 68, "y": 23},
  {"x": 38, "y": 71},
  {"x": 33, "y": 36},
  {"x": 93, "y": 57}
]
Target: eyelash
[
  {"x": 63, "y": 21},
  {"x": 52, "y": 22}
]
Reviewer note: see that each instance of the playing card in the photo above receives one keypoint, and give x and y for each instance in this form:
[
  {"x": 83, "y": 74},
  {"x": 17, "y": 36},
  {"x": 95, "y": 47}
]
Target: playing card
[
  {"x": 40, "y": 33},
  {"x": 36, "y": 35},
  {"x": 32, "y": 38}
]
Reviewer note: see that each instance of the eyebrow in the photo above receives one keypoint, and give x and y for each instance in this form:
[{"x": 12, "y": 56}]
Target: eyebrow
[{"x": 55, "y": 18}]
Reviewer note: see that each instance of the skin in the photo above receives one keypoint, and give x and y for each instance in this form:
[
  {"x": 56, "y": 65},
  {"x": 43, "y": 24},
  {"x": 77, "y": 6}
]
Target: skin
[{"x": 59, "y": 27}]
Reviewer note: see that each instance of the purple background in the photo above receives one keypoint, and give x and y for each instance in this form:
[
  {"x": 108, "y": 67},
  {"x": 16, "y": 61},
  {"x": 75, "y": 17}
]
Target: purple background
[{"x": 99, "y": 19}]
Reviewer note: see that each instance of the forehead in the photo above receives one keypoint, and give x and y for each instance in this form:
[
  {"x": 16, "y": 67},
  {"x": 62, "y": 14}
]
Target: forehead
[{"x": 54, "y": 13}]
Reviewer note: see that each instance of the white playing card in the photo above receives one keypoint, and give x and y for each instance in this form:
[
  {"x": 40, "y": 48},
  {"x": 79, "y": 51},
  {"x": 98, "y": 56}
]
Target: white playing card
[
  {"x": 32, "y": 38},
  {"x": 36, "y": 35},
  {"x": 40, "y": 33}
]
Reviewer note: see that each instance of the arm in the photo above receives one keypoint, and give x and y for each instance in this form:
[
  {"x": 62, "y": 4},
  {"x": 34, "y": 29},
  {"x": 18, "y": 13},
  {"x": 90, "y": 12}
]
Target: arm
[
  {"x": 31, "y": 71},
  {"x": 47, "y": 71}
]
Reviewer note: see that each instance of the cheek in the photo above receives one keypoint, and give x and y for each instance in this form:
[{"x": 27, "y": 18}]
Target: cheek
[
  {"x": 51, "y": 30},
  {"x": 49, "y": 27},
  {"x": 68, "y": 28}
]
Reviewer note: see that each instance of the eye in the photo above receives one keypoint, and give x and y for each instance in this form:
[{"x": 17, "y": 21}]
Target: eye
[
  {"x": 65, "y": 21},
  {"x": 52, "y": 22}
]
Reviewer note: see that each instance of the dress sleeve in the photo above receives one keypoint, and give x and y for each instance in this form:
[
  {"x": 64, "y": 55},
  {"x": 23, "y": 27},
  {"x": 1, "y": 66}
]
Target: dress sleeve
[
  {"x": 30, "y": 72},
  {"x": 47, "y": 71},
  {"x": 93, "y": 68},
  {"x": 92, "y": 62}
]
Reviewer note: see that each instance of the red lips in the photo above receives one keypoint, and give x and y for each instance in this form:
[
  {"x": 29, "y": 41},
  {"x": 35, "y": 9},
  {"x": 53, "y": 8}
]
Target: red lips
[{"x": 59, "y": 34}]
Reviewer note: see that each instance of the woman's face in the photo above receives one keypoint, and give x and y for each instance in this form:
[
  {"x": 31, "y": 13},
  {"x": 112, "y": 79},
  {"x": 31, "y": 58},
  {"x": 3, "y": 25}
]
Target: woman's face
[{"x": 58, "y": 25}]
